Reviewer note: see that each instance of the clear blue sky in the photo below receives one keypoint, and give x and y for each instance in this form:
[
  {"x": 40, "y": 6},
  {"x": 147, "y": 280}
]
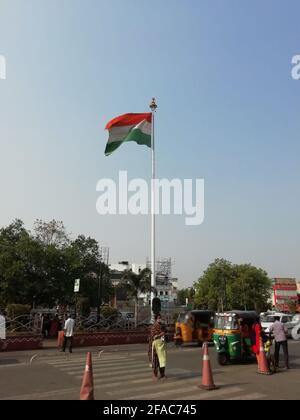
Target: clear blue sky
[{"x": 228, "y": 112}]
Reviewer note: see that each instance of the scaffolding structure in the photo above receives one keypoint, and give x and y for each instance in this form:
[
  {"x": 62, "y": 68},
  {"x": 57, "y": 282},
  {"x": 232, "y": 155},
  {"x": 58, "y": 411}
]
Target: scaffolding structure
[
  {"x": 163, "y": 270},
  {"x": 104, "y": 254}
]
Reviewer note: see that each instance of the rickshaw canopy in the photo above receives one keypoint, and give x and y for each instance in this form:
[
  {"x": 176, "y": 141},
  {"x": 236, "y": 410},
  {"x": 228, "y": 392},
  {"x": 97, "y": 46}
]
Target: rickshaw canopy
[{"x": 229, "y": 320}]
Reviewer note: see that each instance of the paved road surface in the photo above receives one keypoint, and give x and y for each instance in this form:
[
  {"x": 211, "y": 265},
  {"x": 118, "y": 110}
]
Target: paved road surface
[{"x": 123, "y": 372}]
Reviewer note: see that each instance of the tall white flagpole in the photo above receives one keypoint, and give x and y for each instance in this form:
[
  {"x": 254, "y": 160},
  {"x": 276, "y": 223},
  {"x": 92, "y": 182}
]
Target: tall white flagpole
[{"x": 153, "y": 107}]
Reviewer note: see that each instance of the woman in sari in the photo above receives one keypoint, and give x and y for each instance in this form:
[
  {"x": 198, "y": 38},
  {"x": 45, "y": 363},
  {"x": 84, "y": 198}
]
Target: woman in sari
[
  {"x": 256, "y": 334},
  {"x": 157, "y": 349}
]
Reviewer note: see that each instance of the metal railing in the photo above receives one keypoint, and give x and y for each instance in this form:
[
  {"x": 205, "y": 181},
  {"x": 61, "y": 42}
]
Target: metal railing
[
  {"x": 29, "y": 323},
  {"x": 23, "y": 324}
]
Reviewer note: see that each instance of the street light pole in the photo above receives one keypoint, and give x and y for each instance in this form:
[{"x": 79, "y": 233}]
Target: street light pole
[
  {"x": 99, "y": 297},
  {"x": 225, "y": 291},
  {"x": 104, "y": 257},
  {"x": 75, "y": 315}
]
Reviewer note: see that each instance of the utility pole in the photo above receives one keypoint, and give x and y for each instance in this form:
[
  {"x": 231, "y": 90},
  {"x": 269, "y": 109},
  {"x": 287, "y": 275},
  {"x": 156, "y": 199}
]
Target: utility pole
[
  {"x": 225, "y": 292},
  {"x": 104, "y": 258}
]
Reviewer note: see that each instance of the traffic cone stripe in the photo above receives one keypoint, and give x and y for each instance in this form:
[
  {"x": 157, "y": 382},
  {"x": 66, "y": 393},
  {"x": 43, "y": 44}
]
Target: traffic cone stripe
[{"x": 205, "y": 357}]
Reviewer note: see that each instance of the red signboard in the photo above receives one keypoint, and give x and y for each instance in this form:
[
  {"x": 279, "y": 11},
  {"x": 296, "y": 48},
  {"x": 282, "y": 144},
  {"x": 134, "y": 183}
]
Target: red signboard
[
  {"x": 284, "y": 297},
  {"x": 284, "y": 287},
  {"x": 282, "y": 281}
]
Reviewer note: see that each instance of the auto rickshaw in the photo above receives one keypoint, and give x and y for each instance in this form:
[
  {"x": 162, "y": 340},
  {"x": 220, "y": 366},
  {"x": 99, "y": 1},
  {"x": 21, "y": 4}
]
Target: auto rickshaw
[
  {"x": 194, "y": 327},
  {"x": 232, "y": 336}
]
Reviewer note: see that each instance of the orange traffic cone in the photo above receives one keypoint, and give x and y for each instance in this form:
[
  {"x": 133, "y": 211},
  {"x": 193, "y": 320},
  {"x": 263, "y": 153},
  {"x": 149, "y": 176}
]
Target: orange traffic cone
[
  {"x": 60, "y": 339},
  {"x": 87, "y": 387},
  {"x": 262, "y": 360},
  {"x": 207, "y": 378}
]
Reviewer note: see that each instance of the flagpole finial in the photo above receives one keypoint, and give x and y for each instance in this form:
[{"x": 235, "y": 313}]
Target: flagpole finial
[{"x": 153, "y": 105}]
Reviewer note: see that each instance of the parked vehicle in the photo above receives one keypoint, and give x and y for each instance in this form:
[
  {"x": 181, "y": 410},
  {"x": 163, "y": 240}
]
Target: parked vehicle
[
  {"x": 268, "y": 318},
  {"x": 296, "y": 327},
  {"x": 194, "y": 327}
]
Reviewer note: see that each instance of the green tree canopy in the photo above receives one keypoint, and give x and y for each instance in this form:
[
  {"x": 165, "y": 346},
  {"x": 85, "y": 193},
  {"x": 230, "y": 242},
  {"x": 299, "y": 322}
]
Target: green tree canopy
[
  {"x": 227, "y": 286},
  {"x": 183, "y": 294},
  {"x": 41, "y": 267}
]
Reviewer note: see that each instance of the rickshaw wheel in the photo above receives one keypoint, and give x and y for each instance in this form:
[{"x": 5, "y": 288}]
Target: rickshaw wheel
[{"x": 222, "y": 359}]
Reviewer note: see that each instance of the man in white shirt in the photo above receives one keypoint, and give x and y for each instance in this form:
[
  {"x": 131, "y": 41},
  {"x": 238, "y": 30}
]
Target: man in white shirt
[{"x": 69, "y": 332}]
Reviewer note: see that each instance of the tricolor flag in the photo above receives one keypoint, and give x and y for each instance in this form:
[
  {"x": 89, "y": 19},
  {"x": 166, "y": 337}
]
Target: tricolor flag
[{"x": 129, "y": 127}]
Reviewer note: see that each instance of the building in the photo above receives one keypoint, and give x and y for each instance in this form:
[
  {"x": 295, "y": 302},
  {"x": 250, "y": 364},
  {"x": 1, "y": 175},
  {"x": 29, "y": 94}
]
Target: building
[
  {"x": 166, "y": 285},
  {"x": 117, "y": 270},
  {"x": 284, "y": 290},
  {"x": 116, "y": 275}
]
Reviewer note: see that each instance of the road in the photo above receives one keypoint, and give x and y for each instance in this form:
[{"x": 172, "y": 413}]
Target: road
[{"x": 122, "y": 372}]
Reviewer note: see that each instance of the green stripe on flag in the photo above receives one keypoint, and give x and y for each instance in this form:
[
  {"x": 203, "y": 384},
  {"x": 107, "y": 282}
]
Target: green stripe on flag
[{"x": 134, "y": 135}]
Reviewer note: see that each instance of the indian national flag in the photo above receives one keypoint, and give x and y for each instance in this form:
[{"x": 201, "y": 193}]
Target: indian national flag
[{"x": 129, "y": 127}]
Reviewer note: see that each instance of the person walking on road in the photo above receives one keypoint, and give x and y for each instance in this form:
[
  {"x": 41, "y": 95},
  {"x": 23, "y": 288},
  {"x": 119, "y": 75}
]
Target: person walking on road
[
  {"x": 157, "y": 348},
  {"x": 69, "y": 332},
  {"x": 280, "y": 337},
  {"x": 255, "y": 337}
]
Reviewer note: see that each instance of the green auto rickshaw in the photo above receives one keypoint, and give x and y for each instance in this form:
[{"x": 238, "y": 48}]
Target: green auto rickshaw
[{"x": 232, "y": 336}]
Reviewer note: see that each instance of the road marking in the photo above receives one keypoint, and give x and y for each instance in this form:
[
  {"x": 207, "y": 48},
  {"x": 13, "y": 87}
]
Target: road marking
[
  {"x": 32, "y": 358},
  {"x": 128, "y": 380},
  {"x": 73, "y": 371},
  {"x": 254, "y": 396},
  {"x": 130, "y": 364},
  {"x": 106, "y": 363},
  {"x": 108, "y": 374},
  {"x": 156, "y": 385},
  {"x": 180, "y": 390},
  {"x": 76, "y": 361},
  {"x": 42, "y": 395},
  {"x": 67, "y": 356},
  {"x": 197, "y": 349},
  {"x": 204, "y": 395}
]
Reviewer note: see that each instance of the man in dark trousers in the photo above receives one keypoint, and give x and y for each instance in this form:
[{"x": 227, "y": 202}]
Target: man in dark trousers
[{"x": 280, "y": 338}]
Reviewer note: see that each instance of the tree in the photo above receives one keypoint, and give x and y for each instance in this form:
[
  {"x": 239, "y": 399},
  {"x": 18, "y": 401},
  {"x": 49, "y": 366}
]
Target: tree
[
  {"x": 40, "y": 268},
  {"x": 227, "y": 286},
  {"x": 185, "y": 294},
  {"x": 292, "y": 305},
  {"x": 84, "y": 262},
  {"x": 250, "y": 289},
  {"x": 136, "y": 284},
  {"x": 20, "y": 257},
  {"x": 51, "y": 233},
  {"x": 212, "y": 288}
]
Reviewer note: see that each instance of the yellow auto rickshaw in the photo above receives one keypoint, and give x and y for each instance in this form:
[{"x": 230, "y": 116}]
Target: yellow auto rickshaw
[{"x": 194, "y": 327}]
